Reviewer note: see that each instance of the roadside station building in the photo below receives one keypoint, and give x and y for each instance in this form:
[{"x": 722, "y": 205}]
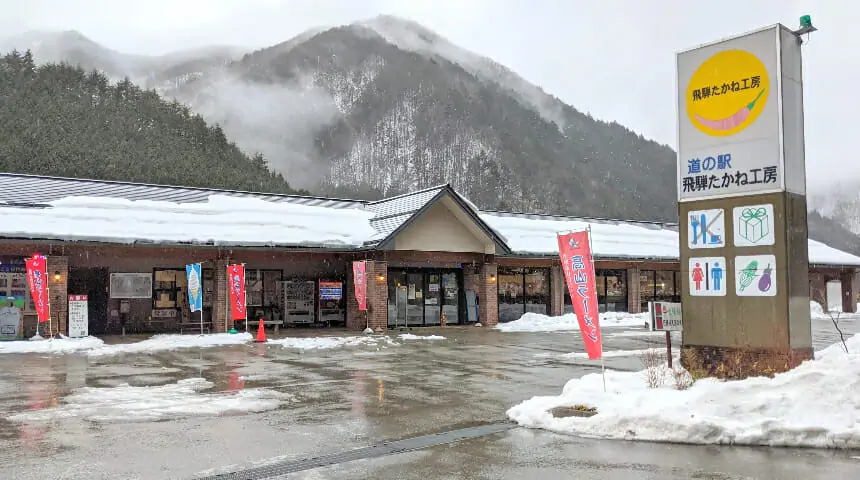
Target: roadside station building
[{"x": 432, "y": 256}]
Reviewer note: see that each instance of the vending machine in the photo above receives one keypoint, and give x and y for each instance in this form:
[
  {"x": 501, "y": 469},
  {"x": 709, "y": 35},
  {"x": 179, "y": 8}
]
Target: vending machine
[{"x": 331, "y": 301}]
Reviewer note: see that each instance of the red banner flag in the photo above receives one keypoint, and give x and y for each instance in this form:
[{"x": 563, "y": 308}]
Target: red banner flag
[
  {"x": 359, "y": 278},
  {"x": 236, "y": 287},
  {"x": 37, "y": 277},
  {"x": 578, "y": 266}
]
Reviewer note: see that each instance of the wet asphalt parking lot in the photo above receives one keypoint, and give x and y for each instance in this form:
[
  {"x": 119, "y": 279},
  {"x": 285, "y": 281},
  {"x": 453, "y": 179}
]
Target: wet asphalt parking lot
[{"x": 344, "y": 398}]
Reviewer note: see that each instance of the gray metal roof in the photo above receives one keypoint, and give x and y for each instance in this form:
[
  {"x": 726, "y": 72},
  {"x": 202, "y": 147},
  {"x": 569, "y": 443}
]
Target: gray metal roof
[
  {"x": 391, "y": 213},
  {"x": 32, "y": 189}
]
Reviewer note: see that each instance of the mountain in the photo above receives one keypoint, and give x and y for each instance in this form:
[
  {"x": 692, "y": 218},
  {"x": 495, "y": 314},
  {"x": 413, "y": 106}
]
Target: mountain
[
  {"x": 72, "y": 47},
  {"x": 383, "y": 106},
  {"x": 60, "y": 120}
]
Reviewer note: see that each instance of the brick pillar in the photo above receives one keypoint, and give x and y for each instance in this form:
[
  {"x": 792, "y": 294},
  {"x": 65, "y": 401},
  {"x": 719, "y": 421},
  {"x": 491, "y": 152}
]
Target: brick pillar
[
  {"x": 849, "y": 291},
  {"x": 219, "y": 300},
  {"x": 376, "y": 316},
  {"x": 633, "y": 299},
  {"x": 488, "y": 291},
  {"x": 556, "y": 289},
  {"x": 58, "y": 294}
]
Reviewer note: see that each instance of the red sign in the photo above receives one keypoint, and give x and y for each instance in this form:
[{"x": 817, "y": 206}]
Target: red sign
[
  {"x": 77, "y": 298},
  {"x": 578, "y": 266},
  {"x": 236, "y": 288},
  {"x": 37, "y": 277},
  {"x": 359, "y": 277}
]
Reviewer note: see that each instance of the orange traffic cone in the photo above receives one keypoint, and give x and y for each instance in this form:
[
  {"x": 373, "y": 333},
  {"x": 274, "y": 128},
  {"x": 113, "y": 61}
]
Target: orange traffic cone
[{"x": 261, "y": 333}]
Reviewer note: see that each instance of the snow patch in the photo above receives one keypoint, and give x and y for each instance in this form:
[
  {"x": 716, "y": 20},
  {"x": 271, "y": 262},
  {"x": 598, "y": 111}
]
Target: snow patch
[
  {"x": 410, "y": 336},
  {"x": 323, "y": 343},
  {"x": 535, "y": 322},
  {"x": 57, "y": 345},
  {"x": 779, "y": 411},
  {"x": 126, "y": 403},
  {"x": 164, "y": 342}
]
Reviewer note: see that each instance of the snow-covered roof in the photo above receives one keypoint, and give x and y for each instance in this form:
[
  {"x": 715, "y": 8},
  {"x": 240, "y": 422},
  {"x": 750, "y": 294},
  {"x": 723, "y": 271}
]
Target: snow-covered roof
[
  {"x": 536, "y": 235},
  {"x": 221, "y": 220},
  {"x": 121, "y": 212}
]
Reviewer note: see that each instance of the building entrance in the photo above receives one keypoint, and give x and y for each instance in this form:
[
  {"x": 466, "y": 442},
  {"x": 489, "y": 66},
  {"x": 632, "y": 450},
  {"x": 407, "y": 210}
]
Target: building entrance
[{"x": 422, "y": 297}]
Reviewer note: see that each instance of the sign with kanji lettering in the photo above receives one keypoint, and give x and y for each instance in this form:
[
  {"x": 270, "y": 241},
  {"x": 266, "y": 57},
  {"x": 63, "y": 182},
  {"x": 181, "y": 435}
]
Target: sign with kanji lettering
[{"x": 731, "y": 122}]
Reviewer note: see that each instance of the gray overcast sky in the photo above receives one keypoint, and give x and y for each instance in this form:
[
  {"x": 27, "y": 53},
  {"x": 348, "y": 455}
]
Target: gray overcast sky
[{"x": 612, "y": 58}]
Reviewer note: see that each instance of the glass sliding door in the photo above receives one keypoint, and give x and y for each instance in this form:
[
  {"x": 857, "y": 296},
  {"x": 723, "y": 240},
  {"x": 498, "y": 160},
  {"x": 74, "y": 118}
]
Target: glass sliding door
[
  {"x": 451, "y": 298},
  {"x": 415, "y": 298},
  {"x": 433, "y": 299}
]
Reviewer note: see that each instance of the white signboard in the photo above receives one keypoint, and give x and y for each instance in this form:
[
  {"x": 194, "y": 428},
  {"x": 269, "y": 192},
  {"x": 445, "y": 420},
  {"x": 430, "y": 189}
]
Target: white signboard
[
  {"x": 10, "y": 322},
  {"x": 707, "y": 276},
  {"x": 79, "y": 318},
  {"x": 753, "y": 225},
  {"x": 755, "y": 276},
  {"x": 666, "y": 317},
  {"x": 131, "y": 285},
  {"x": 737, "y": 100},
  {"x": 706, "y": 229}
]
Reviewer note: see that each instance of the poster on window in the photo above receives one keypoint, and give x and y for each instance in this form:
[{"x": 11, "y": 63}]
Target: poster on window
[
  {"x": 79, "y": 320},
  {"x": 37, "y": 277},
  {"x": 578, "y": 266}
]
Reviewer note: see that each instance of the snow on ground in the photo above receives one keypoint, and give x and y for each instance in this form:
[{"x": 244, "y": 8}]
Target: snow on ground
[
  {"x": 125, "y": 403},
  {"x": 321, "y": 343},
  {"x": 535, "y": 322},
  {"x": 410, "y": 336},
  {"x": 158, "y": 343},
  {"x": 58, "y": 345},
  {"x": 780, "y": 411},
  {"x": 606, "y": 354}
]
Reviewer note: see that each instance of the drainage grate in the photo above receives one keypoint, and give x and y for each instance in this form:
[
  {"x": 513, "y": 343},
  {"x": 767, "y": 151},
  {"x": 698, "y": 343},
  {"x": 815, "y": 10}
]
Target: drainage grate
[{"x": 383, "y": 449}]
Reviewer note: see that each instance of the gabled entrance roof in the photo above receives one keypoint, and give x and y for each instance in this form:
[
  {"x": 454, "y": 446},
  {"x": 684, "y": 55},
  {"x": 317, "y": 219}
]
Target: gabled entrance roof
[{"x": 394, "y": 215}]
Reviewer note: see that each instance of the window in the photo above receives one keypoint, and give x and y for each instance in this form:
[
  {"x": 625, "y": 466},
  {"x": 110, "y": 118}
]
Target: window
[
  {"x": 511, "y": 302},
  {"x": 659, "y": 286},
  {"x": 522, "y": 290},
  {"x": 611, "y": 291},
  {"x": 166, "y": 287}
]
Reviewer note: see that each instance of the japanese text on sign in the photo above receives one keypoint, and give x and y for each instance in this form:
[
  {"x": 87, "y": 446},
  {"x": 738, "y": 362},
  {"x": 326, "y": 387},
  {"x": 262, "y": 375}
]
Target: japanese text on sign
[
  {"x": 577, "y": 265},
  {"x": 725, "y": 88},
  {"x": 698, "y": 183}
]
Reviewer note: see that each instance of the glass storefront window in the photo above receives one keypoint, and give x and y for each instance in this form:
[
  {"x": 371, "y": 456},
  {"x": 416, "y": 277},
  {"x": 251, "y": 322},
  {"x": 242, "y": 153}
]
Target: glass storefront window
[
  {"x": 611, "y": 291},
  {"x": 537, "y": 290},
  {"x": 419, "y": 297},
  {"x": 522, "y": 290},
  {"x": 659, "y": 285},
  {"x": 511, "y": 301}
]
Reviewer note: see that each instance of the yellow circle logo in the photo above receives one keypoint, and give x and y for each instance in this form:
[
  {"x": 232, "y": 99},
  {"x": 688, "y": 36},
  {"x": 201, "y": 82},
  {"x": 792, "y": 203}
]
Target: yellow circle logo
[{"x": 727, "y": 93}]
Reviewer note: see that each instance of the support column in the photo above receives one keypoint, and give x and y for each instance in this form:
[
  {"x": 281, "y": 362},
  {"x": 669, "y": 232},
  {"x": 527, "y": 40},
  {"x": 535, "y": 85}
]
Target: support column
[
  {"x": 634, "y": 300},
  {"x": 488, "y": 292},
  {"x": 849, "y": 291},
  {"x": 556, "y": 288},
  {"x": 220, "y": 319},
  {"x": 58, "y": 281}
]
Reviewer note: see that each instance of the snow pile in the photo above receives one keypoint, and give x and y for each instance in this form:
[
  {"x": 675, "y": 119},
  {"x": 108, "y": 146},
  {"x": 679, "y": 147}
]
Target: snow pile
[
  {"x": 222, "y": 220},
  {"x": 125, "y": 403},
  {"x": 787, "y": 410},
  {"x": 323, "y": 343},
  {"x": 158, "y": 343},
  {"x": 535, "y": 322},
  {"x": 409, "y": 336},
  {"x": 57, "y": 345}
]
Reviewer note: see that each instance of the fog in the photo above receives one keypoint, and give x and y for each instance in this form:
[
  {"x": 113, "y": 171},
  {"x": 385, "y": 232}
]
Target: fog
[{"x": 278, "y": 120}]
